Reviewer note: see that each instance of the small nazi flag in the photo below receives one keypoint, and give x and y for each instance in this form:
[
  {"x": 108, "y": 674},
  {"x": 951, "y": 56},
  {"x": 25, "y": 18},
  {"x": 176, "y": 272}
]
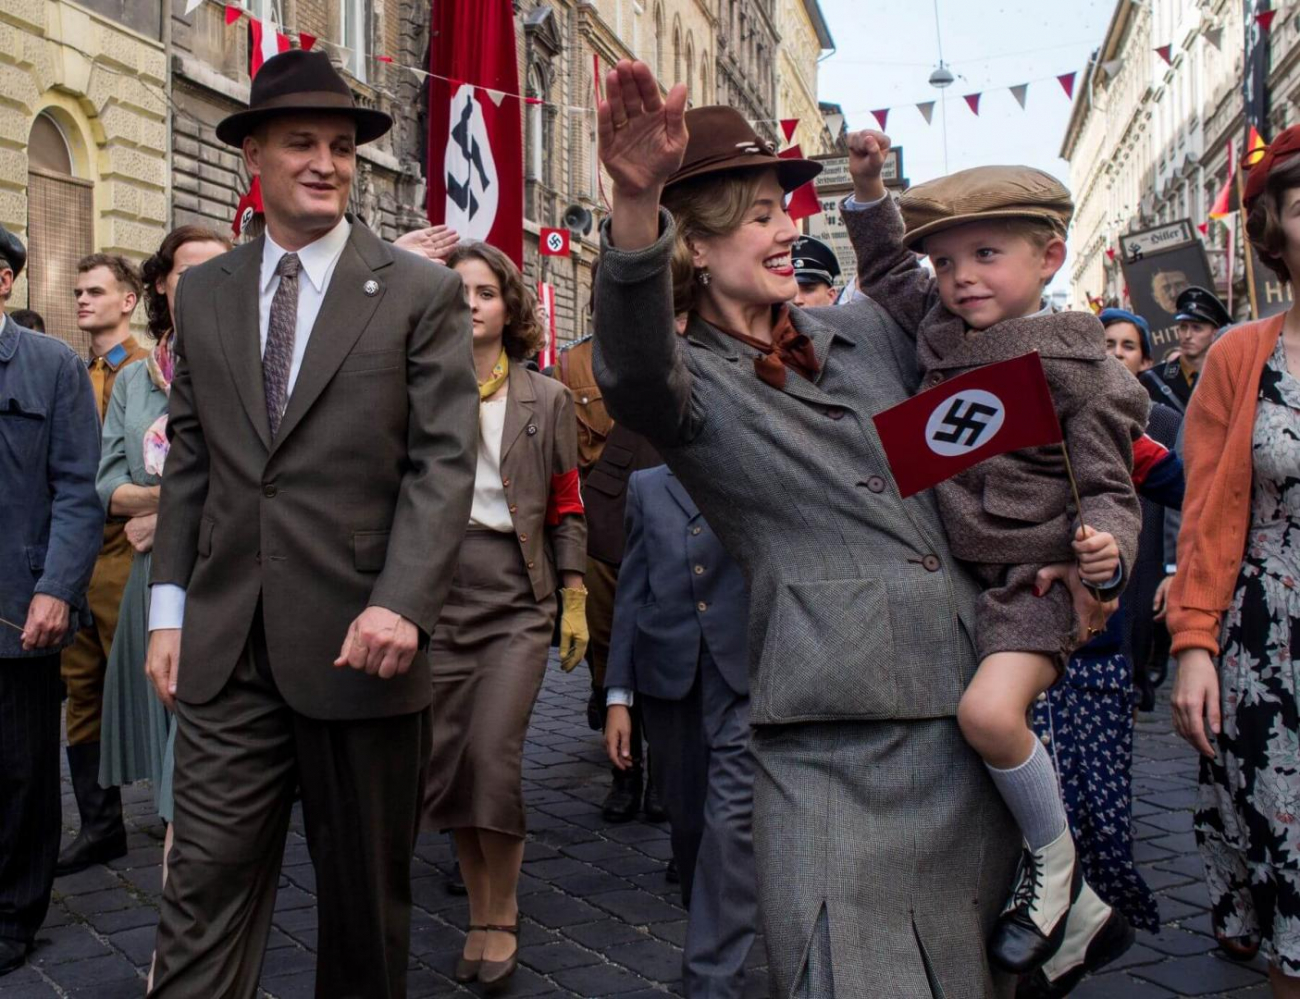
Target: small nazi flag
[
  {"x": 554, "y": 243},
  {"x": 983, "y": 413}
]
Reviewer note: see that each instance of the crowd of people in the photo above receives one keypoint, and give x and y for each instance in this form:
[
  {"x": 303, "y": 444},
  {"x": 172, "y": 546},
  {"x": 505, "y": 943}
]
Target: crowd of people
[{"x": 314, "y": 537}]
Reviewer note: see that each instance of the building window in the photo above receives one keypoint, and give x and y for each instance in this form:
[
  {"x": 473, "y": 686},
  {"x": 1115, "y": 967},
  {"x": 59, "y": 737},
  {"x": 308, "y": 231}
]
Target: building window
[
  {"x": 60, "y": 228},
  {"x": 354, "y": 35},
  {"x": 677, "y": 54},
  {"x": 659, "y": 41},
  {"x": 637, "y": 11},
  {"x": 690, "y": 67}
]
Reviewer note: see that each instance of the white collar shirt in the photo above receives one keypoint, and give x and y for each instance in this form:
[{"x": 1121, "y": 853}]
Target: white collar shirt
[{"x": 317, "y": 262}]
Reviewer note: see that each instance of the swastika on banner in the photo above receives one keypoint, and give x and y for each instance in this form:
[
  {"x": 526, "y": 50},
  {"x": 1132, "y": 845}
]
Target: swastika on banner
[
  {"x": 963, "y": 422},
  {"x": 472, "y": 188},
  {"x": 555, "y": 242}
]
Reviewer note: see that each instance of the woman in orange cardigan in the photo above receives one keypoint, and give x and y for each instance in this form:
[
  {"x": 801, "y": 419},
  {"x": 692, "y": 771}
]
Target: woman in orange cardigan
[{"x": 1235, "y": 602}]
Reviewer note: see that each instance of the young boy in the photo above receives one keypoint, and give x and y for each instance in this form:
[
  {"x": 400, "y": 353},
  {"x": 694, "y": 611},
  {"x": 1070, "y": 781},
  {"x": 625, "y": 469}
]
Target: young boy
[{"x": 995, "y": 236}]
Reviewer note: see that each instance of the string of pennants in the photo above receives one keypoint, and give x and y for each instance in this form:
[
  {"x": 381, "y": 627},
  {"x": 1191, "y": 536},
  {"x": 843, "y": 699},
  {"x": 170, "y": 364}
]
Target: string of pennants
[{"x": 1067, "y": 80}]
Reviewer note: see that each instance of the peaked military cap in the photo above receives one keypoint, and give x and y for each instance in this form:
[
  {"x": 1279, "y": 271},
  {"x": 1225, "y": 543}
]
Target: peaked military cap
[
  {"x": 1200, "y": 306},
  {"x": 12, "y": 252},
  {"x": 813, "y": 261}
]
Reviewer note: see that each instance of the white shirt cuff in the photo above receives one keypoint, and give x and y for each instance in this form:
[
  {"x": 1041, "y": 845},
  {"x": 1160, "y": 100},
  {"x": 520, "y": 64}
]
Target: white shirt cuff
[
  {"x": 166, "y": 606},
  {"x": 852, "y": 204},
  {"x": 619, "y": 695}
]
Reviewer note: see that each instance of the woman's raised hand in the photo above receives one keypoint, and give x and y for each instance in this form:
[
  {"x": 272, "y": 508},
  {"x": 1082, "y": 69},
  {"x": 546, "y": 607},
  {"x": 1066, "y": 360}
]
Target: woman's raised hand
[{"x": 642, "y": 136}]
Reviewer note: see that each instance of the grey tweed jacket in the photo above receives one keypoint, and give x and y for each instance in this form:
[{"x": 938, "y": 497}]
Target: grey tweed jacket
[{"x": 858, "y": 609}]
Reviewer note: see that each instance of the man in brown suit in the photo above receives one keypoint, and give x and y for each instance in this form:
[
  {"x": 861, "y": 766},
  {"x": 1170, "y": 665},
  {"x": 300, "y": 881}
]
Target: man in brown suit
[
  {"x": 323, "y": 424},
  {"x": 107, "y": 290}
]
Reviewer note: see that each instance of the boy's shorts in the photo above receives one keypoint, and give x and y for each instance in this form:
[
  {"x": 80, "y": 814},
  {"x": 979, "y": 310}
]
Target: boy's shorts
[{"x": 1009, "y": 618}]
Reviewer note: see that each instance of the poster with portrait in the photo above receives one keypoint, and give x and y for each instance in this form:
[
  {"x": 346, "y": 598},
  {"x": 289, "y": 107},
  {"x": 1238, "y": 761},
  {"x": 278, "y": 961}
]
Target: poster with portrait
[{"x": 1158, "y": 264}]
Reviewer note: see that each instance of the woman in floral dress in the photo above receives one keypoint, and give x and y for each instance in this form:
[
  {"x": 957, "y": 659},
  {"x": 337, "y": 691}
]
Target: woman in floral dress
[{"x": 1235, "y": 603}]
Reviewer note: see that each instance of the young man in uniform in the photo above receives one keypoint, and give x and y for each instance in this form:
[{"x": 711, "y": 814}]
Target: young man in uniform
[
  {"x": 1200, "y": 316},
  {"x": 816, "y": 270}
]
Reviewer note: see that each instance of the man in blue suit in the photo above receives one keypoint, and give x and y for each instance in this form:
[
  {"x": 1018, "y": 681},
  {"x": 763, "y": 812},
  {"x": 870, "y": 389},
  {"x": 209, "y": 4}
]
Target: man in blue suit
[
  {"x": 678, "y": 647},
  {"x": 53, "y": 526}
]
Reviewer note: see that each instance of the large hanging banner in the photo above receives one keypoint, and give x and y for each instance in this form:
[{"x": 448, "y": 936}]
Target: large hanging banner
[
  {"x": 476, "y": 162},
  {"x": 1158, "y": 264}
]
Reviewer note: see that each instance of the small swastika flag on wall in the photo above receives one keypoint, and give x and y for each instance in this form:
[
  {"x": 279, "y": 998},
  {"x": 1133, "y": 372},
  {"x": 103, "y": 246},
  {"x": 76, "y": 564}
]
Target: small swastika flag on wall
[
  {"x": 553, "y": 243},
  {"x": 964, "y": 420}
]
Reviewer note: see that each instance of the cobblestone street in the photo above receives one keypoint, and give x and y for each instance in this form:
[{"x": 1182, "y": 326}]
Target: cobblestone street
[{"x": 598, "y": 917}]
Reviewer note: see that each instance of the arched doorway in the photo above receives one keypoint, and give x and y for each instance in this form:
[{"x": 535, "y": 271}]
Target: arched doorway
[{"x": 60, "y": 228}]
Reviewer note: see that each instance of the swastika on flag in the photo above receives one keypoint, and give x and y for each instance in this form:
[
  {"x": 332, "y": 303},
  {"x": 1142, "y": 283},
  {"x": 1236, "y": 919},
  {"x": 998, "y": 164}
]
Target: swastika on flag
[{"x": 964, "y": 422}]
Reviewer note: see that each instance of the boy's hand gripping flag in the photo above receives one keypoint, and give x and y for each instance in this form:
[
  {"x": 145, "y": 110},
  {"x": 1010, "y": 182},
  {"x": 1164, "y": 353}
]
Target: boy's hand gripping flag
[{"x": 959, "y": 423}]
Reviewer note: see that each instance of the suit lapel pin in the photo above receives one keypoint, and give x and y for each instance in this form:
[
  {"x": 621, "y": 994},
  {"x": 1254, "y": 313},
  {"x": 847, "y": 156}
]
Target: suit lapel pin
[
  {"x": 532, "y": 429},
  {"x": 371, "y": 288}
]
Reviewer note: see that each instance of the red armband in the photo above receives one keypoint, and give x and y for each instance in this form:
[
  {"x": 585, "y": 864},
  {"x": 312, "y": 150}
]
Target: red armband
[
  {"x": 565, "y": 498},
  {"x": 1147, "y": 454}
]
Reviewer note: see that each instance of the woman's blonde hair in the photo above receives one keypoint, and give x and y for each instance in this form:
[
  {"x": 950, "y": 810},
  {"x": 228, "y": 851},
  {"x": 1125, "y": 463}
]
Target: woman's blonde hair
[
  {"x": 713, "y": 205},
  {"x": 524, "y": 334}
]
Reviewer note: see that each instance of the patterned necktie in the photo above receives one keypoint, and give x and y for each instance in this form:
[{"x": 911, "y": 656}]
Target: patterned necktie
[{"x": 277, "y": 358}]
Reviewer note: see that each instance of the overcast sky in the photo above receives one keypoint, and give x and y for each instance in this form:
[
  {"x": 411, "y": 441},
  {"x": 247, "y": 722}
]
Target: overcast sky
[{"x": 886, "y": 50}]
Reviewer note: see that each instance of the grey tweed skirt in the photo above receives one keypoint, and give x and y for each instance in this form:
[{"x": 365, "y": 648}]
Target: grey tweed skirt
[
  {"x": 886, "y": 845},
  {"x": 488, "y": 657}
]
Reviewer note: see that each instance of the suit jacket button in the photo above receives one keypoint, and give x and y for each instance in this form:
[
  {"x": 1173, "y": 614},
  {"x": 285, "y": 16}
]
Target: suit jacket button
[
  {"x": 269, "y": 490},
  {"x": 835, "y": 413},
  {"x": 935, "y": 378},
  {"x": 931, "y": 563},
  {"x": 505, "y": 483},
  {"x": 701, "y": 606},
  {"x": 699, "y": 570},
  {"x": 876, "y": 484},
  {"x": 523, "y": 539},
  {"x": 513, "y": 508},
  {"x": 696, "y": 530},
  {"x": 530, "y": 565},
  {"x": 532, "y": 429}
]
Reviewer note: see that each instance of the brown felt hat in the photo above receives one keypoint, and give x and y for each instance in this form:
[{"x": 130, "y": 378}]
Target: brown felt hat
[
  {"x": 980, "y": 194},
  {"x": 298, "y": 82},
  {"x": 720, "y": 138}
]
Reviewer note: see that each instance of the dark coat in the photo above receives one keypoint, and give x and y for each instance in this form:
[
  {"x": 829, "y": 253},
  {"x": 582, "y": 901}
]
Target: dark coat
[
  {"x": 678, "y": 589},
  {"x": 361, "y": 499},
  {"x": 49, "y": 454},
  {"x": 1017, "y": 508},
  {"x": 1165, "y": 383}
]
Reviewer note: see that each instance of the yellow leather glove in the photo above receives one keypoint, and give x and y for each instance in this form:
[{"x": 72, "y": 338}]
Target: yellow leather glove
[{"x": 573, "y": 628}]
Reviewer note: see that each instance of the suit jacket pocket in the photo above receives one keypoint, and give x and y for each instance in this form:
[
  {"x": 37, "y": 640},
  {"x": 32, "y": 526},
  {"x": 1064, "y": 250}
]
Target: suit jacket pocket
[
  {"x": 1033, "y": 499},
  {"x": 36, "y": 558},
  {"x": 829, "y": 652},
  {"x": 206, "y": 527},
  {"x": 369, "y": 550},
  {"x": 372, "y": 360}
]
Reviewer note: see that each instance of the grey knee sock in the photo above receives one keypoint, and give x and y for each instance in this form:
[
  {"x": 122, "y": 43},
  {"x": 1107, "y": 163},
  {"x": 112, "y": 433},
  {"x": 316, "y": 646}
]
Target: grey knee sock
[{"x": 1034, "y": 797}]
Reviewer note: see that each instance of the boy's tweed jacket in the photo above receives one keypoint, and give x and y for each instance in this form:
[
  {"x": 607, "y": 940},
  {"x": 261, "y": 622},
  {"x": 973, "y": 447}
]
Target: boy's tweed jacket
[{"x": 1016, "y": 508}]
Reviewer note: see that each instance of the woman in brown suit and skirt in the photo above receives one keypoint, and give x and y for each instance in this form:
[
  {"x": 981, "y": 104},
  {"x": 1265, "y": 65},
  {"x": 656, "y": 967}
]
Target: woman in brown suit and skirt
[{"x": 526, "y": 538}]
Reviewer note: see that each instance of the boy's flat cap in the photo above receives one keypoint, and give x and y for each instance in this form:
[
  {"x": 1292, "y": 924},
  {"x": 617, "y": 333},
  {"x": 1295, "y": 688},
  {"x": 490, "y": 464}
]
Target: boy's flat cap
[{"x": 982, "y": 194}]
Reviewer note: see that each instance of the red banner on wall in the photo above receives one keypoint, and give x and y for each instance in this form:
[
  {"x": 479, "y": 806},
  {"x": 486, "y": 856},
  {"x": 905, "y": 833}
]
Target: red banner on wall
[{"x": 476, "y": 163}]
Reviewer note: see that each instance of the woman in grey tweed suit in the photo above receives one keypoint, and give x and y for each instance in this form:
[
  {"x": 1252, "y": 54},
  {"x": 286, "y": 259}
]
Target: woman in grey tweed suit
[{"x": 884, "y": 853}]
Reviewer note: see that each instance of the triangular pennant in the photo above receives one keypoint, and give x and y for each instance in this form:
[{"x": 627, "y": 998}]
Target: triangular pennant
[
  {"x": 1066, "y": 80},
  {"x": 882, "y": 116},
  {"x": 233, "y": 13},
  {"x": 191, "y": 6},
  {"x": 1214, "y": 36},
  {"x": 1019, "y": 91},
  {"x": 265, "y": 42},
  {"x": 1204, "y": 227},
  {"x": 1166, "y": 52},
  {"x": 1265, "y": 18},
  {"x": 803, "y": 200},
  {"x": 1110, "y": 253},
  {"x": 420, "y": 74},
  {"x": 1112, "y": 67},
  {"x": 927, "y": 111},
  {"x": 383, "y": 58},
  {"x": 834, "y": 124},
  {"x": 788, "y": 125},
  {"x": 528, "y": 100},
  {"x": 306, "y": 41},
  {"x": 496, "y": 96},
  {"x": 972, "y": 102}
]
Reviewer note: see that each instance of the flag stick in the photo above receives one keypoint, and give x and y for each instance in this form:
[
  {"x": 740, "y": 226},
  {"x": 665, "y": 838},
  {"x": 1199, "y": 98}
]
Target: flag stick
[
  {"x": 16, "y": 627},
  {"x": 1078, "y": 505}
]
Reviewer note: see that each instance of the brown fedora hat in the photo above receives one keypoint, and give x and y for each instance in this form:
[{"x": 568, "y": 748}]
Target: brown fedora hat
[
  {"x": 721, "y": 139},
  {"x": 298, "y": 82}
]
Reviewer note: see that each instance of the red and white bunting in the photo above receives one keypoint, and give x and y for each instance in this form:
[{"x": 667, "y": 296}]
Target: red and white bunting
[
  {"x": 788, "y": 126},
  {"x": 1066, "y": 80},
  {"x": 1166, "y": 52},
  {"x": 1265, "y": 19},
  {"x": 1019, "y": 92},
  {"x": 973, "y": 102},
  {"x": 882, "y": 116},
  {"x": 927, "y": 111},
  {"x": 306, "y": 41},
  {"x": 265, "y": 43},
  {"x": 803, "y": 200},
  {"x": 233, "y": 14}
]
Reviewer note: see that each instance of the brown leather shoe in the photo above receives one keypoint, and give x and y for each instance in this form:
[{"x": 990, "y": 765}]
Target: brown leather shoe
[
  {"x": 467, "y": 970},
  {"x": 493, "y": 975},
  {"x": 1239, "y": 949}
]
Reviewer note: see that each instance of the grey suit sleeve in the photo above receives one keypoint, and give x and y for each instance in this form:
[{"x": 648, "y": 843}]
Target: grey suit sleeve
[
  {"x": 633, "y": 592},
  {"x": 185, "y": 475},
  {"x": 639, "y": 358},
  {"x": 442, "y": 435},
  {"x": 888, "y": 272},
  {"x": 76, "y": 518},
  {"x": 568, "y": 537}
]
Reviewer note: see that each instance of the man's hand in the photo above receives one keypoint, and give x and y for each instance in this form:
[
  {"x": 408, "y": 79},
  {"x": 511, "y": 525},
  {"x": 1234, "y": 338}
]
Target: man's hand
[
  {"x": 47, "y": 622},
  {"x": 1090, "y": 612},
  {"x": 162, "y": 662},
  {"x": 1161, "y": 602},
  {"x": 618, "y": 735},
  {"x": 1196, "y": 699},
  {"x": 435, "y": 242},
  {"x": 1098, "y": 555},
  {"x": 381, "y": 642},
  {"x": 139, "y": 531},
  {"x": 867, "y": 152}
]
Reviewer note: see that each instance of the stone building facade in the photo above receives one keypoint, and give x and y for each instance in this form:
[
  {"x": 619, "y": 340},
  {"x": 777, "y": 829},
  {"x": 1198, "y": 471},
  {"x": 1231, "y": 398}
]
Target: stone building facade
[
  {"x": 83, "y": 141},
  {"x": 1147, "y": 140},
  {"x": 748, "y": 61},
  {"x": 804, "y": 38}
]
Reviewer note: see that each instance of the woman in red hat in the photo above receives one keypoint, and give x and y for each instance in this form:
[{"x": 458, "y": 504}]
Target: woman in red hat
[{"x": 1234, "y": 609}]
